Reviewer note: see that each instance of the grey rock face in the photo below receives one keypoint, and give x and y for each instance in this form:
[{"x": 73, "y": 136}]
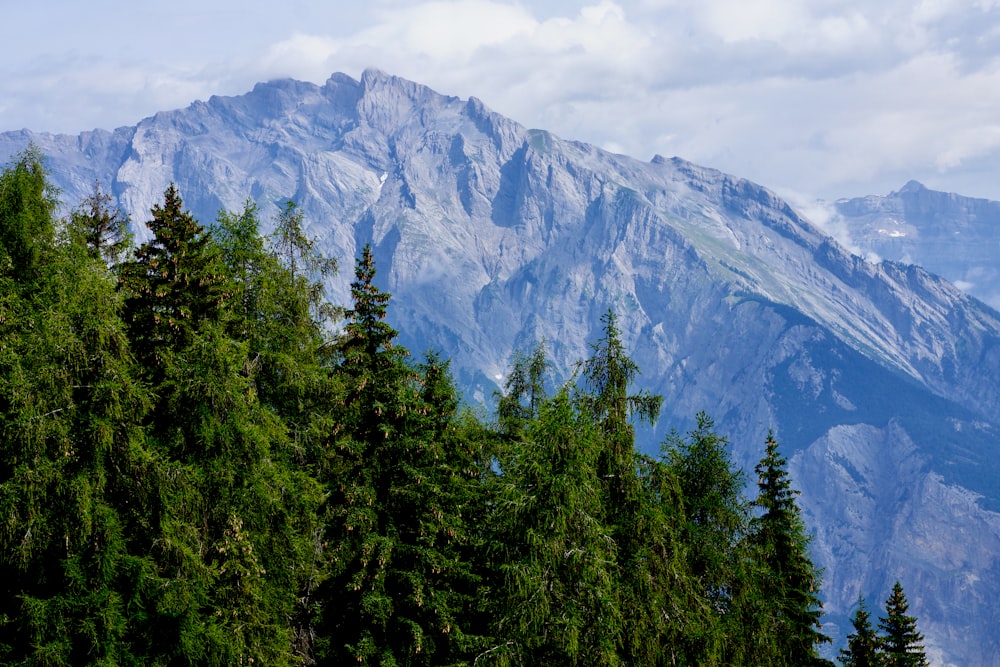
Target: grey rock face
[
  {"x": 880, "y": 380},
  {"x": 956, "y": 237}
]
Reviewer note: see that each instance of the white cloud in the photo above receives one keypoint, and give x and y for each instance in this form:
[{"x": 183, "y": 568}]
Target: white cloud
[
  {"x": 830, "y": 97},
  {"x": 737, "y": 20}
]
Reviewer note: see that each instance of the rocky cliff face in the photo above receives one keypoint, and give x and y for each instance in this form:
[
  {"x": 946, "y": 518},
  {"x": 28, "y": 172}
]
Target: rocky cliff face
[
  {"x": 879, "y": 379},
  {"x": 956, "y": 237}
]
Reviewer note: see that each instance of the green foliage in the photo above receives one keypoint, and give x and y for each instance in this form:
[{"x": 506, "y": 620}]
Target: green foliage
[
  {"x": 864, "y": 646},
  {"x": 274, "y": 309},
  {"x": 26, "y": 207},
  {"x": 715, "y": 531},
  {"x": 716, "y": 514},
  {"x": 175, "y": 283},
  {"x": 100, "y": 226},
  {"x": 524, "y": 392},
  {"x": 788, "y": 581},
  {"x": 237, "y": 540},
  {"x": 608, "y": 375},
  {"x": 558, "y": 557},
  {"x": 901, "y": 643},
  {"x": 75, "y": 477},
  {"x": 399, "y": 591},
  {"x": 195, "y": 470}
]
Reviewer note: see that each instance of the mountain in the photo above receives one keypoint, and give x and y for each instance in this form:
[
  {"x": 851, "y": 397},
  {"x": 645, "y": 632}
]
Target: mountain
[
  {"x": 879, "y": 379},
  {"x": 954, "y": 236}
]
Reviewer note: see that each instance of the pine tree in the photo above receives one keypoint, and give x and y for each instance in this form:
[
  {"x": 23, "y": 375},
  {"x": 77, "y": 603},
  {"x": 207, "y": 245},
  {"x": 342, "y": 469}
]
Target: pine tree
[
  {"x": 608, "y": 374},
  {"x": 524, "y": 392},
  {"x": 297, "y": 253},
  {"x": 716, "y": 513},
  {"x": 639, "y": 517},
  {"x": 100, "y": 226},
  {"x": 863, "y": 645},
  {"x": 667, "y": 616},
  {"x": 175, "y": 283},
  {"x": 790, "y": 583},
  {"x": 236, "y": 543},
  {"x": 399, "y": 591},
  {"x": 27, "y": 204},
  {"x": 278, "y": 308},
  {"x": 901, "y": 643}
]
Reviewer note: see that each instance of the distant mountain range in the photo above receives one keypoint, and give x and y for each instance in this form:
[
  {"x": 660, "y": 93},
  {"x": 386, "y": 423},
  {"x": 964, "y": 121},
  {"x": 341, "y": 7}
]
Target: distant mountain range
[
  {"x": 881, "y": 380},
  {"x": 956, "y": 237}
]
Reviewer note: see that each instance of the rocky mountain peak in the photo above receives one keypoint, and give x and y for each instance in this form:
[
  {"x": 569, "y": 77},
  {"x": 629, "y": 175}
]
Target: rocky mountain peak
[{"x": 492, "y": 237}]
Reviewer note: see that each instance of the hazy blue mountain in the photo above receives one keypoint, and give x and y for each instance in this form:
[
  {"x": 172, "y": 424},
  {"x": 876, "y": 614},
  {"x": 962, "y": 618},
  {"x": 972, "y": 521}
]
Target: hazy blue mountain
[
  {"x": 880, "y": 380},
  {"x": 954, "y": 236}
]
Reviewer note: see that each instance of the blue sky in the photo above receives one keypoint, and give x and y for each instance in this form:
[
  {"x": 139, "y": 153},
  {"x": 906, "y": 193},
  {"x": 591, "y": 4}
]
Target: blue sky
[{"x": 812, "y": 98}]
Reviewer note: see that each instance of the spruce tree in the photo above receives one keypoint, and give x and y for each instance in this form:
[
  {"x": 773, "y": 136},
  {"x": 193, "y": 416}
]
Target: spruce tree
[
  {"x": 716, "y": 520},
  {"x": 717, "y": 515},
  {"x": 236, "y": 542},
  {"x": 902, "y": 644},
  {"x": 863, "y": 645},
  {"x": 100, "y": 226},
  {"x": 175, "y": 283},
  {"x": 399, "y": 592},
  {"x": 641, "y": 518},
  {"x": 608, "y": 375},
  {"x": 789, "y": 583},
  {"x": 524, "y": 392}
]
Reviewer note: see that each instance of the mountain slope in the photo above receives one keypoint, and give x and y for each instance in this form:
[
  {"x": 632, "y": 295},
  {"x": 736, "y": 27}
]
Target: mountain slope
[
  {"x": 951, "y": 235},
  {"x": 880, "y": 379}
]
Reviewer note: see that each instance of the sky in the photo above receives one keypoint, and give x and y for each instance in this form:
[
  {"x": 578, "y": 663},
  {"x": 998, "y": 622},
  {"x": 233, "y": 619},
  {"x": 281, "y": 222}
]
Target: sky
[{"x": 815, "y": 99}]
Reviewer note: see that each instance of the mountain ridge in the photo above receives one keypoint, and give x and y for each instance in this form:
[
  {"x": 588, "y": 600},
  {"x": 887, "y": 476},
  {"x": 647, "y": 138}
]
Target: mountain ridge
[
  {"x": 949, "y": 234},
  {"x": 492, "y": 236}
]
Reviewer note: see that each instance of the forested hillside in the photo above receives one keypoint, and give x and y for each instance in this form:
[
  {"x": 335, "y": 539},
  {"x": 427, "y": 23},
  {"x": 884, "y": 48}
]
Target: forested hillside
[{"x": 203, "y": 462}]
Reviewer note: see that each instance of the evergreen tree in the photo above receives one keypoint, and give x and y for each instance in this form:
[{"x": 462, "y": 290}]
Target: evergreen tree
[
  {"x": 77, "y": 484},
  {"x": 717, "y": 516},
  {"x": 667, "y": 616},
  {"x": 524, "y": 392},
  {"x": 277, "y": 307},
  {"x": 399, "y": 591},
  {"x": 237, "y": 541},
  {"x": 175, "y": 283},
  {"x": 557, "y": 604},
  {"x": 901, "y": 643},
  {"x": 863, "y": 645},
  {"x": 297, "y": 253},
  {"x": 715, "y": 528},
  {"x": 26, "y": 207},
  {"x": 101, "y": 227},
  {"x": 608, "y": 374},
  {"x": 789, "y": 585}
]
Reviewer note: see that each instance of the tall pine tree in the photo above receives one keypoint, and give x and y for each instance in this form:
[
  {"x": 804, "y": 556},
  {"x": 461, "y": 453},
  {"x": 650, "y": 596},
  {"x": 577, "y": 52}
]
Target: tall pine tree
[
  {"x": 100, "y": 226},
  {"x": 236, "y": 541},
  {"x": 399, "y": 592},
  {"x": 557, "y": 602},
  {"x": 902, "y": 644},
  {"x": 715, "y": 529},
  {"x": 863, "y": 644},
  {"x": 789, "y": 582},
  {"x": 175, "y": 283}
]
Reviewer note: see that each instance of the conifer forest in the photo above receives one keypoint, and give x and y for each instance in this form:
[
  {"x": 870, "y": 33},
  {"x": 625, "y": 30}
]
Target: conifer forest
[{"x": 204, "y": 462}]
